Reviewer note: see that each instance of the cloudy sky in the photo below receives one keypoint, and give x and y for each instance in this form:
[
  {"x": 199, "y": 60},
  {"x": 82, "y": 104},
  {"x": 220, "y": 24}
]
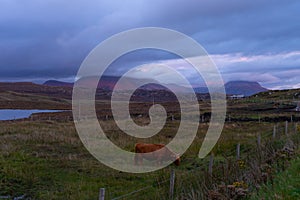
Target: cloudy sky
[{"x": 248, "y": 40}]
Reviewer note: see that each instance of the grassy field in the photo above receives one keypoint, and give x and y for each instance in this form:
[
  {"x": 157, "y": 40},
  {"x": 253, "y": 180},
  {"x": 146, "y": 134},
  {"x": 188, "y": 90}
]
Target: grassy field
[
  {"x": 45, "y": 159},
  {"x": 286, "y": 185}
]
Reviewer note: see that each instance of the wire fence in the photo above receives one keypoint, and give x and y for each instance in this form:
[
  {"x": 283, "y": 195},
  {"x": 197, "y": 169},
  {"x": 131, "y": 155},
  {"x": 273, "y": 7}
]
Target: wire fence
[
  {"x": 242, "y": 148},
  {"x": 14, "y": 198},
  {"x": 277, "y": 131},
  {"x": 139, "y": 190}
]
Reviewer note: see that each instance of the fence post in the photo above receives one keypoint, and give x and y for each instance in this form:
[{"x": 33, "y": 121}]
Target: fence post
[
  {"x": 238, "y": 147},
  {"x": 274, "y": 131},
  {"x": 211, "y": 162},
  {"x": 259, "y": 147},
  {"x": 259, "y": 140},
  {"x": 102, "y": 194},
  {"x": 172, "y": 183},
  {"x": 286, "y": 127}
]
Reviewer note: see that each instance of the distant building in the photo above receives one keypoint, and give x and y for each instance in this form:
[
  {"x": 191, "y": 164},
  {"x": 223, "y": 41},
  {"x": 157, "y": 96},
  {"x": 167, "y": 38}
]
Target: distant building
[{"x": 237, "y": 96}]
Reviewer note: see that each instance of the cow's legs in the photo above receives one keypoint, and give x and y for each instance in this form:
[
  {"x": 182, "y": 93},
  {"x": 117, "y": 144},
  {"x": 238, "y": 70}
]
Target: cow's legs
[{"x": 138, "y": 159}]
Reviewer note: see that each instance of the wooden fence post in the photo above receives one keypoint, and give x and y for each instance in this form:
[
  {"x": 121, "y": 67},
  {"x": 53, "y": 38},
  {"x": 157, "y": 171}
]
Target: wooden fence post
[
  {"x": 211, "y": 162},
  {"x": 259, "y": 147},
  {"x": 172, "y": 183},
  {"x": 238, "y": 147},
  {"x": 102, "y": 194},
  {"x": 286, "y": 127},
  {"x": 259, "y": 140},
  {"x": 274, "y": 131}
]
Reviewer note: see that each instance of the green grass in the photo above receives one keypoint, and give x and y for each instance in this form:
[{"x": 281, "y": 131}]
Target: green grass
[
  {"x": 286, "y": 184},
  {"x": 46, "y": 160}
]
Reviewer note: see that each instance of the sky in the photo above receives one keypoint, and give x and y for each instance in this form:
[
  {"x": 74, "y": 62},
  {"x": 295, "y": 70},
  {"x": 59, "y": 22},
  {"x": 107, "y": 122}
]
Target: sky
[{"x": 250, "y": 40}]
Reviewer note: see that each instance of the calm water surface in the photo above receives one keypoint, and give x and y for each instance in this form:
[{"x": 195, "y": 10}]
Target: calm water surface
[{"x": 10, "y": 114}]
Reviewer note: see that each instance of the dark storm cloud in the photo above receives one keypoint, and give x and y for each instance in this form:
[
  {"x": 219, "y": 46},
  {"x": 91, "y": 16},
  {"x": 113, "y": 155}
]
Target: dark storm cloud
[{"x": 50, "y": 38}]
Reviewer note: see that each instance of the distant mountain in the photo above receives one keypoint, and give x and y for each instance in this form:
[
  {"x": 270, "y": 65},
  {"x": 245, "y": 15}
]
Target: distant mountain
[
  {"x": 202, "y": 90},
  {"x": 59, "y": 94},
  {"x": 246, "y": 88},
  {"x": 58, "y": 83},
  {"x": 108, "y": 83}
]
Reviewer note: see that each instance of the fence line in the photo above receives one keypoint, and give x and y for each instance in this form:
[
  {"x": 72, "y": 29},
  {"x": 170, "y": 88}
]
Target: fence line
[
  {"x": 102, "y": 194},
  {"x": 139, "y": 190},
  {"x": 238, "y": 151},
  {"x": 13, "y": 198},
  {"x": 273, "y": 134},
  {"x": 172, "y": 183},
  {"x": 131, "y": 193}
]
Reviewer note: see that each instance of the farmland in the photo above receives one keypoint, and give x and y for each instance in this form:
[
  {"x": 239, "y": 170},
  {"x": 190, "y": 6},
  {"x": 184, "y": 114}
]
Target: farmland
[{"x": 43, "y": 158}]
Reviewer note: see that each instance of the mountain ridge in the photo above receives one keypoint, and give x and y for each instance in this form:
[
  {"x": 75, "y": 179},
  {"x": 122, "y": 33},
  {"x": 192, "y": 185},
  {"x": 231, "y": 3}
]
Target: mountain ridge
[
  {"x": 238, "y": 87},
  {"x": 54, "y": 87},
  {"x": 241, "y": 87}
]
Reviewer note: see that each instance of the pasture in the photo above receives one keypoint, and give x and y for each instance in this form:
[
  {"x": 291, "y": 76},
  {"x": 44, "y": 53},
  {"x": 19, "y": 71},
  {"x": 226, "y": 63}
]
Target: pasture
[{"x": 45, "y": 159}]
